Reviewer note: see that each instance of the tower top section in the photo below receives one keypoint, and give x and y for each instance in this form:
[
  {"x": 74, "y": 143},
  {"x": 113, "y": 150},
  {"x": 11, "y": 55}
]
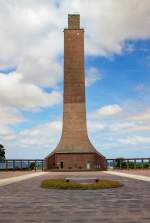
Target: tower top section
[{"x": 73, "y": 21}]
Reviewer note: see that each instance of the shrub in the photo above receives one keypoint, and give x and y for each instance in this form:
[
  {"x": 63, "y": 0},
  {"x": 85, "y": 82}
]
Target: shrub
[{"x": 32, "y": 165}]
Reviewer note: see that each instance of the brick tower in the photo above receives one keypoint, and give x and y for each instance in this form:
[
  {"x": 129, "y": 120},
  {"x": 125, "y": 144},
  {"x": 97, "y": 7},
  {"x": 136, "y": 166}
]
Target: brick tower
[{"x": 74, "y": 150}]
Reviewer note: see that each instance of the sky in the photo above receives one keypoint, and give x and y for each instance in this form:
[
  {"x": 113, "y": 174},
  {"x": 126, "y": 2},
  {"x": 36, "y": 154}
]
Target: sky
[{"x": 117, "y": 72}]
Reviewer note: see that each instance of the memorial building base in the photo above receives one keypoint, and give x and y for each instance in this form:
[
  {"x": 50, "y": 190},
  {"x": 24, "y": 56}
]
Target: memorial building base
[{"x": 75, "y": 161}]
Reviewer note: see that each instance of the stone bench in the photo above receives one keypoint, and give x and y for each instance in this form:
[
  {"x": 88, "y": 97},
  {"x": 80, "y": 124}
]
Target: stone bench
[{"x": 82, "y": 179}]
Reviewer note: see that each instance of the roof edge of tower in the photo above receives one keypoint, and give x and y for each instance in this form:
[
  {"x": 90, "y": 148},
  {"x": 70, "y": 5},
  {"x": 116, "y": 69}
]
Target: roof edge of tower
[{"x": 73, "y": 21}]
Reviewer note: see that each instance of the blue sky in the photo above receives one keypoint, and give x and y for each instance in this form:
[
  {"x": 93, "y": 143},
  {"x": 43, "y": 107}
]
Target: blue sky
[{"x": 117, "y": 71}]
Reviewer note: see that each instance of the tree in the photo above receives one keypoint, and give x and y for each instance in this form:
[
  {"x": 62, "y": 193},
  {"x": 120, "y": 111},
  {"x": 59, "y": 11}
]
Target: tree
[
  {"x": 121, "y": 163},
  {"x": 2, "y": 152}
]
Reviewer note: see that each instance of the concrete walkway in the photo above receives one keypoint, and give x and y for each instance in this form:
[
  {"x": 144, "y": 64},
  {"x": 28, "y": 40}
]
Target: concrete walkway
[
  {"x": 132, "y": 176},
  {"x": 11, "y": 180}
]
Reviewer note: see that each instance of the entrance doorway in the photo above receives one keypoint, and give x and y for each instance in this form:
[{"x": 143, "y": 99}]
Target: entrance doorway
[
  {"x": 88, "y": 165},
  {"x": 61, "y": 165}
]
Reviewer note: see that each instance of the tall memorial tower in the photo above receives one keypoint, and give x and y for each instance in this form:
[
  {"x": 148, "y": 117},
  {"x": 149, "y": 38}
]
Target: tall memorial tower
[{"x": 74, "y": 150}]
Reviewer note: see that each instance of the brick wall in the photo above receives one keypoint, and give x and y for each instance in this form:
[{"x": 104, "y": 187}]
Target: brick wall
[{"x": 76, "y": 161}]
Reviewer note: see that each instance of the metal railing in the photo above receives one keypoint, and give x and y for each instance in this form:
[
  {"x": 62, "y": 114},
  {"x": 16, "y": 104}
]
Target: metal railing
[
  {"x": 22, "y": 164},
  {"x": 38, "y": 164},
  {"x": 128, "y": 163}
]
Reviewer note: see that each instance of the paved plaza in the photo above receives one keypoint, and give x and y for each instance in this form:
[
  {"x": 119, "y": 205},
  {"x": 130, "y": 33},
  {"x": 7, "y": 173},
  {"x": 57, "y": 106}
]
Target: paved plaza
[
  {"x": 131, "y": 174},
  {"x": 26, "y": 201},
  {"x": 141, "y": 172},
  {"x": 7, "y": 174}
]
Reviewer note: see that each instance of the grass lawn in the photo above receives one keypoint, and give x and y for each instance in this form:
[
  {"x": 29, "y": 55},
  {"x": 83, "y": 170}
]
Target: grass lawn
[{"x": 61, "y": 184}]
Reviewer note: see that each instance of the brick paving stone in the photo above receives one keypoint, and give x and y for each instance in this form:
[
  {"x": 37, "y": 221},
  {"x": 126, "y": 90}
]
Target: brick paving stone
[{"x": 26, "y": 201}]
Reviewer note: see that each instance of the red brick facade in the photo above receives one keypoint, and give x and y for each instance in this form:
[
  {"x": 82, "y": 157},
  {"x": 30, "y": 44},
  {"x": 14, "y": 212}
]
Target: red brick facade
[
  {"x": 74, "y": 150},
  {"x": 76, "y": 161}
]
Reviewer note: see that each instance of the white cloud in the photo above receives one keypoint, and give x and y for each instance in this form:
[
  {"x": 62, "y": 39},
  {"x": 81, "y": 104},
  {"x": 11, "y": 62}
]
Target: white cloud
[
  {"x": 31, "y": 39},
  {"x": 120, "y": 135},
  {"x": 102, "y": 22},
  {"x": 30, "y": 141},
  {"x": 6, "y": 134},
  {"x": 129, "y": 48},
  {"x": 15, "y": 93},
  {"x": 41, "y": 71},
  {"x": 114, "y": 119},
  {"x": 143, "y": 116},
  {"x": 43, "y": 134},
  {"x": 26, "y": 25},
  {"x": 130, "y": 126},
  {"x": 35, "y": 27},
  {"x": 91, "y": 76},
  {"x": 95, "y": 126},
  {"x": 9, "y": 116},
  {"x": 135, "y": 140},
  {"x": 139, "y": 87},
  {"x": 109, "y": 110}
]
